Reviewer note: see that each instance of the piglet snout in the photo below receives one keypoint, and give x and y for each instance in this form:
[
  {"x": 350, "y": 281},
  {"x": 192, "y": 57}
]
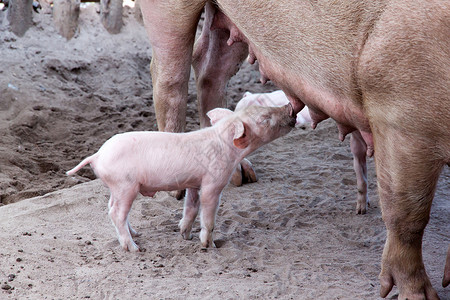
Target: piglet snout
[
  {"x": 293, "y": 116},
  {"x": 291, "y": 110}
]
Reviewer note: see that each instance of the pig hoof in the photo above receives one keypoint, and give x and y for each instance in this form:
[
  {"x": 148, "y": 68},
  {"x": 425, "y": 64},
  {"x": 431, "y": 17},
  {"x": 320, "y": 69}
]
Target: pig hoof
[
  {"x": 208, "y": 244},
  {"x": 386, "y": 283},
  {"x": 422, "y": 291},
  {"x": 236, "y": 179},
  {"x": 248, "y": 174},
  {"x": 361, "y": 204},
  {"x": 132, "y": 247},
  {"x": 361, "y": 210},
  {"x": 445, "y": 281},
  {"x": 244, "y": 173},
  {"x": 187, "y": 236},
  {"x": 186, "y": 232},
  {"x": 185, "y": 229},
  {"x": 135, "y": 234},
  {"x": 135, "y": 249}
]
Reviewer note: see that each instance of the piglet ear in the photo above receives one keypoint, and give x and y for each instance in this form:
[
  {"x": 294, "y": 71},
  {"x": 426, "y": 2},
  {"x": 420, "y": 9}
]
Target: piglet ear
[
  {"x": 241, "y": 139},
  {"x": 218, "y": 114},
  {"x": 246, "y": 94}
]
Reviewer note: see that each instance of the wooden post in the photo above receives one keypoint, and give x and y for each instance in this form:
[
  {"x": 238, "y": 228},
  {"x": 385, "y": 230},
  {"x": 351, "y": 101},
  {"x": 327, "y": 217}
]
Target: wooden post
[
  {"x": 20, "y": 16},
  {"x": 138, "y": 12},
  {"x": 65, "y": 17},
  {"x": 111, "y": 15}
]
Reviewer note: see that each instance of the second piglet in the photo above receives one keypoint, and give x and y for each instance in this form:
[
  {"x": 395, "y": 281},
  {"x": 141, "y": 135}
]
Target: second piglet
[
  {"x": 357, "y": 144},
  {"x": 203, "y": 160},
  {"x": 276, "y": 98}
]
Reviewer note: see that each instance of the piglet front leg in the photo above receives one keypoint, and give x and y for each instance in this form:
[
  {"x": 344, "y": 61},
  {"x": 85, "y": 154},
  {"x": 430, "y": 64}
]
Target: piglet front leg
[{"x": 209, "y": 202}]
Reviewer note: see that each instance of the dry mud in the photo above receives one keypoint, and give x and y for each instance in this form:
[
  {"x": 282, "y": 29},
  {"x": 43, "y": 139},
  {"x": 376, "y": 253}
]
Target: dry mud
[{"x": 292, "y": 235}]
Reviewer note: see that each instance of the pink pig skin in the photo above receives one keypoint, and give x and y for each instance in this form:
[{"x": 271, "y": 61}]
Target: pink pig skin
[
  {"x": 276, "y": 98},
  {"x": 148, "y": 162},
  {"x": 357, "y": 144},
  {"x": 378, "y": 67}
]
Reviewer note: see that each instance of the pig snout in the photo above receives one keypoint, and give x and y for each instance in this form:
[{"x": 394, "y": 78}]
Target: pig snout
[
  {"x": 284, "y": 116},
  {"x": 291, "y": 110},
  {"x": 292, "y": 115}
]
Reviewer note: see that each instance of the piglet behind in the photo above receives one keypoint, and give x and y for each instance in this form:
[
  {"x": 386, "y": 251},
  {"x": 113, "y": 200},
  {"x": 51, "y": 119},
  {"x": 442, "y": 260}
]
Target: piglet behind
[
  {"x": 276, "y": 98},
  {"x": 357, "y": 144}
]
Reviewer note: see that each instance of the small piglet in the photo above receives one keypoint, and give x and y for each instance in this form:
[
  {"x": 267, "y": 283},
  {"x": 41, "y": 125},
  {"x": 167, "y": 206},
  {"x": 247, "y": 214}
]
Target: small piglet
[
  {"x": 357, "y": 144},
  {"x": 276, "y": 98},
  {"x": 148, "y": 162}
]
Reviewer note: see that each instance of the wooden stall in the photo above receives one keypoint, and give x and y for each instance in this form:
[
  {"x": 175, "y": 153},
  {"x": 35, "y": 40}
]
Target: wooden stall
[{"x": 65, "y": 15}]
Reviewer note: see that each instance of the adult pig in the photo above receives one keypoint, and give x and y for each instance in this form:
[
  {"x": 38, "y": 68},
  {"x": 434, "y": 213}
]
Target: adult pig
[{"x": 379, "y": 67}]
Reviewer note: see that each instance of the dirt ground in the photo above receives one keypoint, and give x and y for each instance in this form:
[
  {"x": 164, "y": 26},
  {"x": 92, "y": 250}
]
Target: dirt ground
[{"x": 292, "y": 235}]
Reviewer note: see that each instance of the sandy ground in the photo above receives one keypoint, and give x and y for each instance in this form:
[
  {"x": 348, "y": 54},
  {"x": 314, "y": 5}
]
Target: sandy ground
[{"x": 292, "y": 235}]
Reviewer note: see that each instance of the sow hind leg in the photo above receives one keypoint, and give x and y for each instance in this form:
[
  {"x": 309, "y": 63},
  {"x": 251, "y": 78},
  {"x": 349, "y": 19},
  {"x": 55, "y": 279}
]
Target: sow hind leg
[
  {"x": 407, "y": 178},
  {"x": 214, "y": 63},
  {"x": 171, "y": 27}
]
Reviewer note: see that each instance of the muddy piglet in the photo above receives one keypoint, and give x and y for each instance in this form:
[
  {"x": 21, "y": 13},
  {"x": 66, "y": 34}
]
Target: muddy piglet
[{"x": 203, "y": 160}]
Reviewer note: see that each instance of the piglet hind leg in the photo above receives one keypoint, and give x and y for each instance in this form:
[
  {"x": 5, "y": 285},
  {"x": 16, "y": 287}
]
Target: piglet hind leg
[
  {"x": 119, "y": 208},
  {"x": 407, "y": 180},
  {"x": 190, "y": 211},
  {"x": 132, "y": 231}
]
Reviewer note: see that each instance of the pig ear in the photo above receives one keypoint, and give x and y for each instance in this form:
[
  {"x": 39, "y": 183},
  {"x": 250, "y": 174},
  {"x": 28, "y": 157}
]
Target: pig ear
[
  {"x": 218, "y": 114},
  {"x": 240, "y": 139},
  {"x": 246, "y": 94}
]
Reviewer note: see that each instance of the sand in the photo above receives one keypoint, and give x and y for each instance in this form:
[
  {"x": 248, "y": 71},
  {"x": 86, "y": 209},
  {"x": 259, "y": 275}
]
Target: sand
[{"x": 292, "y": 235}]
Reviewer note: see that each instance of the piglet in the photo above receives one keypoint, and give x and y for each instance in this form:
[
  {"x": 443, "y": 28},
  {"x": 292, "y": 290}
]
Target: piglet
[
  {"x": 357, "y": 144},
  {"x": 148, "y": 162},
  {"x": 276, "y": 98}
]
